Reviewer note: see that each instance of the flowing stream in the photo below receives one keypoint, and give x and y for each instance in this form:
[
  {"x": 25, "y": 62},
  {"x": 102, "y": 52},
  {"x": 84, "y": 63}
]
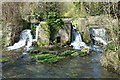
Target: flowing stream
[
  {"x": 78, "y": 44},
  {"x": 71, "y": 67},
  {"x": 25, "y": 36}
]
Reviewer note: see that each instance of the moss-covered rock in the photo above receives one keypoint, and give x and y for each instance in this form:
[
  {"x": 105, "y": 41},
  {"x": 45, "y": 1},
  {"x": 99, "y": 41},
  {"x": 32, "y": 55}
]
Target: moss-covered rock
[
  {"x": 75, "y": 54},
  {"x": 84, "y": 51},
  {"x": 43, "y": 34},
  {"x": 67, "y": 52}
]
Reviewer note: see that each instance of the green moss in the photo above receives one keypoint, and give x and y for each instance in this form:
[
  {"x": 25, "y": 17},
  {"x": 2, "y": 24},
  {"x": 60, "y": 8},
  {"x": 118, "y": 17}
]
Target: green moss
[
  {"x": 117, "y": 61},
  {"x": 85, "y": 38},
  {"x": 42, "y": 51},
  {"x": 4, "y": 40},
  {"x": 41, "y": 43},
  {"x": 3, "y": 60},
  {"x": 55, "y": 22},
  {"x": 33, "y": 28},
  {"x": 65, "y": 53},
  {"x": 46, "y": 29},
  {"x": 111, "y": 46},
  {"x": 84, "y": 52},
  {"x": 75, "y": 54},
  {"x": 48, "y": 58}
]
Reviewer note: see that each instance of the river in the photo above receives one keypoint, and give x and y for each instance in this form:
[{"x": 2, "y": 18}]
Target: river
[{"x": 71, "y": 67}]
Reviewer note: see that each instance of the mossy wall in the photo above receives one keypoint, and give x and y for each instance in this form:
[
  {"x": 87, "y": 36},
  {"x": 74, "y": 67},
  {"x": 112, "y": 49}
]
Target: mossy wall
[{"x": 43, "y": 34}]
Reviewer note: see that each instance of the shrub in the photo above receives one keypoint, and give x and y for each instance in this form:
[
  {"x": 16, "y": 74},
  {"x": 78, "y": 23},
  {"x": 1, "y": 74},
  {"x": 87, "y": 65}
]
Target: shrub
[{"x": 55, "y": 22}]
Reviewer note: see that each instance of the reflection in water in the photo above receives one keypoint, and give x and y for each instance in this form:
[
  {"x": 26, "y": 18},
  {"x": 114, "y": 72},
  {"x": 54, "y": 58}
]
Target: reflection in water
[{"x": 71, "y": 67}]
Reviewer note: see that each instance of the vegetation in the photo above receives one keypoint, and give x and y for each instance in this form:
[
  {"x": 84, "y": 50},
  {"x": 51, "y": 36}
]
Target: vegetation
[
  {"x": 75, "y": 54},
  {"x": 33, "y": 29},
  {"x": 111, "y": 46},
  {"x": 96, "y": 8},
  {"x": 46, "y": 56},
  {"x": 55, "y": 23},
  {"x": 105, "y": 14}
]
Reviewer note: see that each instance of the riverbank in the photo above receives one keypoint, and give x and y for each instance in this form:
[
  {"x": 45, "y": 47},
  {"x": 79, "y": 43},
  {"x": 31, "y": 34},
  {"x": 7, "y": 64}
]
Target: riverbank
[{"x": 111, "y": 62}]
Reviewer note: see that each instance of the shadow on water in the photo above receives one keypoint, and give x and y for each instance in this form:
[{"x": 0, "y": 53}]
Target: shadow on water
[{"x": 71, "y": 67}]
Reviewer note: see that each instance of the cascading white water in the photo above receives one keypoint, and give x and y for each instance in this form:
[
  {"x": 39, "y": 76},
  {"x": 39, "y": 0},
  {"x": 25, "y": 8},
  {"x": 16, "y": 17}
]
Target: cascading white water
[
  {"x": 77, "y": 42},
  {"x": 24, "y": 36},
  {"x": 36, "y": 36},
  {"x": 99, "y": 35}
]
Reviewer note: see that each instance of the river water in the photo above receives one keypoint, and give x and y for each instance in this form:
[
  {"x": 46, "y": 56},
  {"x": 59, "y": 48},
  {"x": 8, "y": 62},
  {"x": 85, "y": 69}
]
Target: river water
[{"x": 71, "y": 67}]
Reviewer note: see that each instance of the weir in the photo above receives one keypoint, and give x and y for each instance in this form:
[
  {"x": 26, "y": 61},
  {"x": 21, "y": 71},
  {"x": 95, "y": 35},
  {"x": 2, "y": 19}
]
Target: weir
[
  {"x": 77, "y": 42},
  {"x": 97, "y": 35},
  {"x": 25, "y": 36}
]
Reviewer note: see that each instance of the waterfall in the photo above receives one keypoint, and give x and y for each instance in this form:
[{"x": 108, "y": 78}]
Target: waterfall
[
  {"x": 25, "y": 36},
  {"x": 99, "y": 35},
  {"x": 77, "y": 42},
  {"x": 36, "y": 36}
]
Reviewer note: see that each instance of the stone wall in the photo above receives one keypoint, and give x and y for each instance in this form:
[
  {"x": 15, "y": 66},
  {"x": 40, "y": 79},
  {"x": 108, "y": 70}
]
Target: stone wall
[
  {"x": 44, "y": 33},
  {"x": 10, "y": 24},
  {"x": 65, "y": 31},
  {"x": 13, "y": 19}
]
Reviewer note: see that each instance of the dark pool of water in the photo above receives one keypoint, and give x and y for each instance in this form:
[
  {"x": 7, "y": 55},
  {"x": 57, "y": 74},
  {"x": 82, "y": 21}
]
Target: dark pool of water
[{"x": 71, "y": 67}]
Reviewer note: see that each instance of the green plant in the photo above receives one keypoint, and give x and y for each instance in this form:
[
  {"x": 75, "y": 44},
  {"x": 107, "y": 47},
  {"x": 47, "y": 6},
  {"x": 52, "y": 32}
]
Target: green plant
[
  {"x": 84, "y": 51},
  {"x": 55, "y": 22},
  {"x": 65, "y": 53},
  {"x": 33, "y": 12},
  {"x": 111, "y": 46},
  {"x": 33, "y": 28},
  {"x": 75, "y": 54},
  {"x": 46, "y": 28},
  {"x": 40, "y": 43},
  {"x": 48, "y": 58}
]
